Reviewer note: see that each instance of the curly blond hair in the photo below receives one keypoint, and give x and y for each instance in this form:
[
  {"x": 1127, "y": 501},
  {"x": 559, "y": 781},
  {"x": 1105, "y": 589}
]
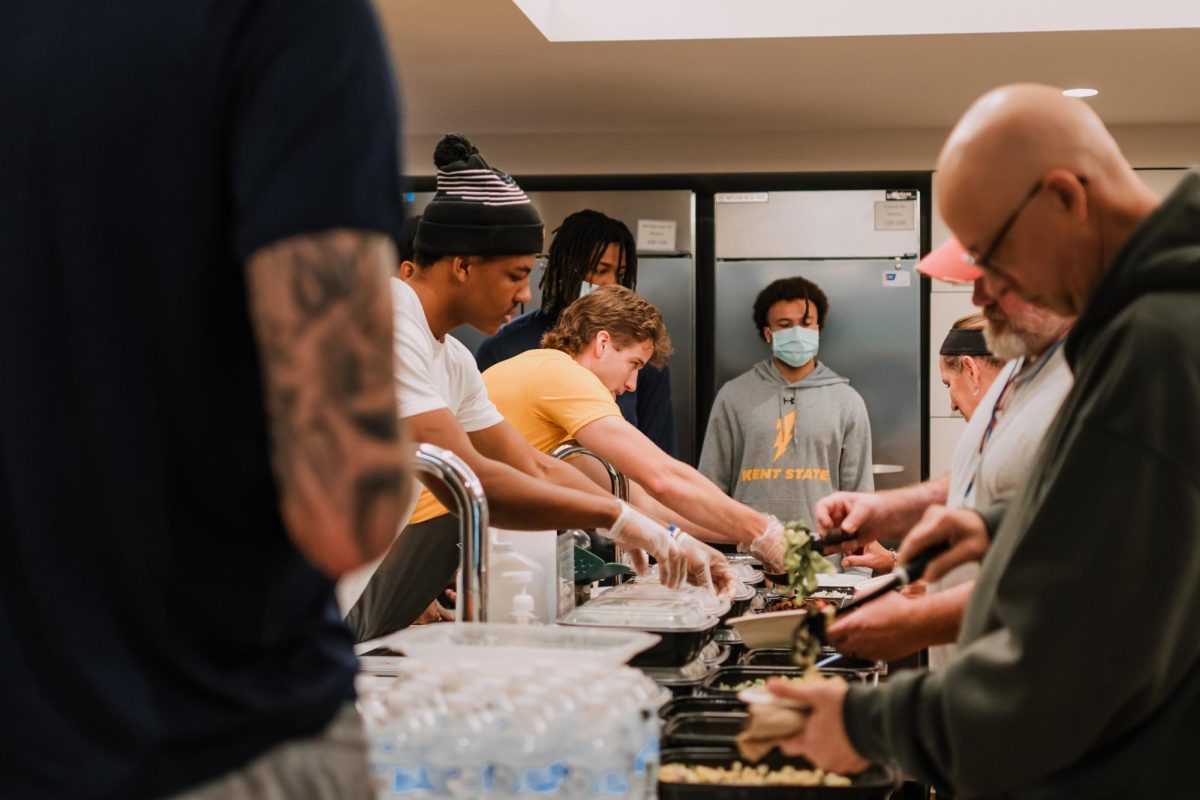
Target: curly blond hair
[{"x": 628, "y": 318}]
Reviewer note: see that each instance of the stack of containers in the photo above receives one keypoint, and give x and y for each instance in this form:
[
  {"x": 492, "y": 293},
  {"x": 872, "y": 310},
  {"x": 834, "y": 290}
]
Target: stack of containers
[
  {"x": 685, "y": 619},
  {"x": 518, "y": 719}
]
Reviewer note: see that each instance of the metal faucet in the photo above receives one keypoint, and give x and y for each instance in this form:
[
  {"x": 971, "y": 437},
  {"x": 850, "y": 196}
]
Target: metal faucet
[
  {"x": 618, "y": 482},
  {"x": 472, "y": 509},
  {"x": 617, "y": 479}
]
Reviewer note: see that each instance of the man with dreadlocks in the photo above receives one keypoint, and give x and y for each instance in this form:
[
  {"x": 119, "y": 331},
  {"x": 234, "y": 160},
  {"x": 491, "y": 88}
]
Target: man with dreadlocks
[{"x": 590, "y": 250}]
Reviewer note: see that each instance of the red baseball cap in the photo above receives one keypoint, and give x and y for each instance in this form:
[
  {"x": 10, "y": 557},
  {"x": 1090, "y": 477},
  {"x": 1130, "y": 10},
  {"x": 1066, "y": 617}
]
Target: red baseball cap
[{"x": 947, "y": 263}]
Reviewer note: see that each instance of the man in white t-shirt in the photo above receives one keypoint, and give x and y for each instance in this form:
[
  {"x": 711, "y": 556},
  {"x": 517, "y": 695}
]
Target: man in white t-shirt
[
  {"x": 991, "y": 460},
  {"x": 475, "y": 248}
]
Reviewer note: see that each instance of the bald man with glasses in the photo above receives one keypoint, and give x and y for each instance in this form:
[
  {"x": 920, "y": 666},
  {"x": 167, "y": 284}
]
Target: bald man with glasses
[{"x": 1078, "y": 670}]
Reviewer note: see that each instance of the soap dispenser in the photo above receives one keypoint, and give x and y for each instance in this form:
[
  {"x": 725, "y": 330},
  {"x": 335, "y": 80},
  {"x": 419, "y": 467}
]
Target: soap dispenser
[{"x": 522, "y": 602}]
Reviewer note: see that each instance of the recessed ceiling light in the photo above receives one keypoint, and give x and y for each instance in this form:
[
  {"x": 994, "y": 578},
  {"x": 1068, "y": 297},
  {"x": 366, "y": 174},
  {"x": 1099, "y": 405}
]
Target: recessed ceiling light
[{"x": 1081, "y": 92}]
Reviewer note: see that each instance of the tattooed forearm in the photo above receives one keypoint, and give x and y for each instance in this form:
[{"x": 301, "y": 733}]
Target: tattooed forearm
[{"x": 322, "y": 311}]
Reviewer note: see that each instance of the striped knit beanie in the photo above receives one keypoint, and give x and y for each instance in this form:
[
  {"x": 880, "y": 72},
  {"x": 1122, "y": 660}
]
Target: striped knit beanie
[{"x": 477, "y": 210}]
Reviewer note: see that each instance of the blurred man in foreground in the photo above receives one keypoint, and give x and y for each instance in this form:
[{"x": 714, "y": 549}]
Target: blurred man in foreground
[{"x": 197, "y": 414}]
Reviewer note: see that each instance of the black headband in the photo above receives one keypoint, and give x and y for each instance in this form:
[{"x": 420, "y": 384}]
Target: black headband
[{"x": 963, "y": 342}]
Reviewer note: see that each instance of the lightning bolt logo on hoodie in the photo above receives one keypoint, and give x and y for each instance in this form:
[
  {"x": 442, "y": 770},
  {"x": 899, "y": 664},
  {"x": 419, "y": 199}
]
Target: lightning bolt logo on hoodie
[
  {"x": 780, "y": 447},
  {"x": 785, "y": 426}
]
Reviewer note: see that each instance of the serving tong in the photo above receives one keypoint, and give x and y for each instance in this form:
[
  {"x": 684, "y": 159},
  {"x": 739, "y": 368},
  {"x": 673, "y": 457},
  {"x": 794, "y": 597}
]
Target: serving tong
[
  {"x": 812, "y": 624},
  {"x": 831, "y": 538}
]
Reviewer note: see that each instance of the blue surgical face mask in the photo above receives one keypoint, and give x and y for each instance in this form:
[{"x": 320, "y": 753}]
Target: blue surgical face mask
[
  {"x": 795, "y": 346},
  {"x": 586, "y": 288}
]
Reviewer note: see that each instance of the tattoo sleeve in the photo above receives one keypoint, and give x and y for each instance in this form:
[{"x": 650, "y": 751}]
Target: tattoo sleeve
[{"x": 322, "y": 312}]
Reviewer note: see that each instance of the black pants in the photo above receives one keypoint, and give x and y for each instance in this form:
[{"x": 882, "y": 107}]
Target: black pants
[{"x": 414, "y": 573}]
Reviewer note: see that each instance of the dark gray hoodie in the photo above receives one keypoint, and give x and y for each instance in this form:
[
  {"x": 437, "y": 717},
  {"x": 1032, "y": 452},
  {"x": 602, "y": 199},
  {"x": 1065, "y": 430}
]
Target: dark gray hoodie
[{"x": 780, "y": 447}]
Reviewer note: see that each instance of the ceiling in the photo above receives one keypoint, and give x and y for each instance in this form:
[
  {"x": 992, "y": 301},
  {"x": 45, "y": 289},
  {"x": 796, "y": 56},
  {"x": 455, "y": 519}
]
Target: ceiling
[
  {"x": 635, "y": 20},
  {"x": 480, "y": 66}
]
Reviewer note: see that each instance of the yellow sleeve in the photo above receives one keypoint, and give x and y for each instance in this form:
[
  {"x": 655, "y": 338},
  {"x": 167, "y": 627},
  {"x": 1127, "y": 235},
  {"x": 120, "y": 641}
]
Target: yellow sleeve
[{"x": 569, "y": 396}]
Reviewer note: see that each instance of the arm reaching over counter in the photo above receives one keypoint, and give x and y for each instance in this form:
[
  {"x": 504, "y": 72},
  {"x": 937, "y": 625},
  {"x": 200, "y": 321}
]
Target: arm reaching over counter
[
  {"x": 963, "y": 529},
  {"x": 879, "y": 515},
  {"x": 671, "y": 482},
  {"x": 566, "y": 391}
]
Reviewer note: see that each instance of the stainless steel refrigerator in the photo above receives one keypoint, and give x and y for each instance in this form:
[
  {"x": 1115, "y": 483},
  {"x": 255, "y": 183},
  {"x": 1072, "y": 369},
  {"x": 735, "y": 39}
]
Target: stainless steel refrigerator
[
  {"x": 860, "y": 247},
  {"x": 666, "y": 275}
]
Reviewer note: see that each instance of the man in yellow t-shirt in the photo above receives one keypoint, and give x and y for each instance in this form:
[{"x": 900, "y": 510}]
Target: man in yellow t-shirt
[
  {"x": 566, "y": 391},
  {"x": 548, "y": 397}
]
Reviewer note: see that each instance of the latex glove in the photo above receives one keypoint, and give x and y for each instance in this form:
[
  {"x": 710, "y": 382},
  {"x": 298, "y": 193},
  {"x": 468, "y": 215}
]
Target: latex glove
[
  {"x": 706, "y": 567},
  {"x": 633, "y": 531},
  {"x": 769, "y": 547}
]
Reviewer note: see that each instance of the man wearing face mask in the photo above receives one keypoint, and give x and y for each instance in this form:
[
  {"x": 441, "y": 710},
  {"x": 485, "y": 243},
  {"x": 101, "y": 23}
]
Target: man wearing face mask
[
  {"x": 590, "y": 250},
  {"x": 790, "y": 430}
]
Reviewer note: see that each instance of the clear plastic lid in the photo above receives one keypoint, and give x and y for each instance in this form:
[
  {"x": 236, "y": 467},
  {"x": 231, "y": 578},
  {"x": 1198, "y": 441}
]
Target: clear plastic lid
[
  {"x": 652, "y": 592},
  {"x": 744, "y": 571},
  {"x": 628, "y": 613},
  {"x": 744, "y": 592},
  {"x": 487, "y": 642}
]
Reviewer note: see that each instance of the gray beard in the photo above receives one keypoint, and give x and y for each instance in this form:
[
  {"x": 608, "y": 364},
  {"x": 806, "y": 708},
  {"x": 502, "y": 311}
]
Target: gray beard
[
  {"x": 1006, "y": 343},
  {"x": 1038, "y": 330}
]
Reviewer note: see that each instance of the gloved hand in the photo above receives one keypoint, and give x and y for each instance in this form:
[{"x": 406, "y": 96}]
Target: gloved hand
[
  {"x": 769, "y": 547},
  {"x": 634, "y": 531},
  {"x": 706, "y": 567}
]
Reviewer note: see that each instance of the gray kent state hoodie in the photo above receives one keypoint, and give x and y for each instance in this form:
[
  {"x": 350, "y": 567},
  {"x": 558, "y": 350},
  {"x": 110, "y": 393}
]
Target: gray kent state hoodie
[{"x": 780, "y": 447}]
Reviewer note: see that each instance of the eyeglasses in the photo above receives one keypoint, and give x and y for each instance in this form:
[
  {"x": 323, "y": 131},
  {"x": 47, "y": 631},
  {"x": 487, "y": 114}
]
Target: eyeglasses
[{"x": 985, "y": 261}]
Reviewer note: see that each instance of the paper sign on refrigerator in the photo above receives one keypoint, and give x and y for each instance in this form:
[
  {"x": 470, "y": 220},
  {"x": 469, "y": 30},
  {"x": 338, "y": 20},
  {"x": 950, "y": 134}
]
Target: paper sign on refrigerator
[{"x": 656, "y": 236}]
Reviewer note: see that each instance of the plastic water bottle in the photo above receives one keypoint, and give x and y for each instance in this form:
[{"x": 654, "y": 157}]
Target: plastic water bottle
[
  {"x": 398, "y": 751},
  {"x": 513, "y": 731},
  {"x": 540, "y": 769}
]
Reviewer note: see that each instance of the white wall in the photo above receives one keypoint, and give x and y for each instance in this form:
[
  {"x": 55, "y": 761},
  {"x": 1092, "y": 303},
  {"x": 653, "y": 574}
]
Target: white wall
[{"x": 748, "y": 151}]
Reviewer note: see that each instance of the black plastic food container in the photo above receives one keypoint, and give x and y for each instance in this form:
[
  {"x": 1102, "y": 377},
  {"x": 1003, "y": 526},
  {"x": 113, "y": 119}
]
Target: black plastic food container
[
  {"x": 740, "y": 603},
  {"x": 782, "y": 657},
  {"x": 862, "y": 671},
  {"x": 735, "y": 676},
  {"x": 877, "y": 783},
  {"x": 676, "y": 646},
  {"x": 699, "y": 704},
  {"x": 704, "y": 729}
]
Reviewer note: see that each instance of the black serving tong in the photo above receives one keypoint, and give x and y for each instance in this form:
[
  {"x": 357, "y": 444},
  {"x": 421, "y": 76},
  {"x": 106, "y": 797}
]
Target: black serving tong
[
  {"x": 832, "y": 538},
  {"x": 812, "y": 624},
  {"x": 902, "y": 575}
]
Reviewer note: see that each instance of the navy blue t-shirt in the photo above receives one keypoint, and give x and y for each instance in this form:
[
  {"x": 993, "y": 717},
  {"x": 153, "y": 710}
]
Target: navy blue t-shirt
[
  {"x": 649, "y": 409},
  {"x": 157, "y": 627}
]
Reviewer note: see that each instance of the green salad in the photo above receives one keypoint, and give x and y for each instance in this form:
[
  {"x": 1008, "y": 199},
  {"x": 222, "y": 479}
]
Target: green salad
[{"x": 801, "y": 559}]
